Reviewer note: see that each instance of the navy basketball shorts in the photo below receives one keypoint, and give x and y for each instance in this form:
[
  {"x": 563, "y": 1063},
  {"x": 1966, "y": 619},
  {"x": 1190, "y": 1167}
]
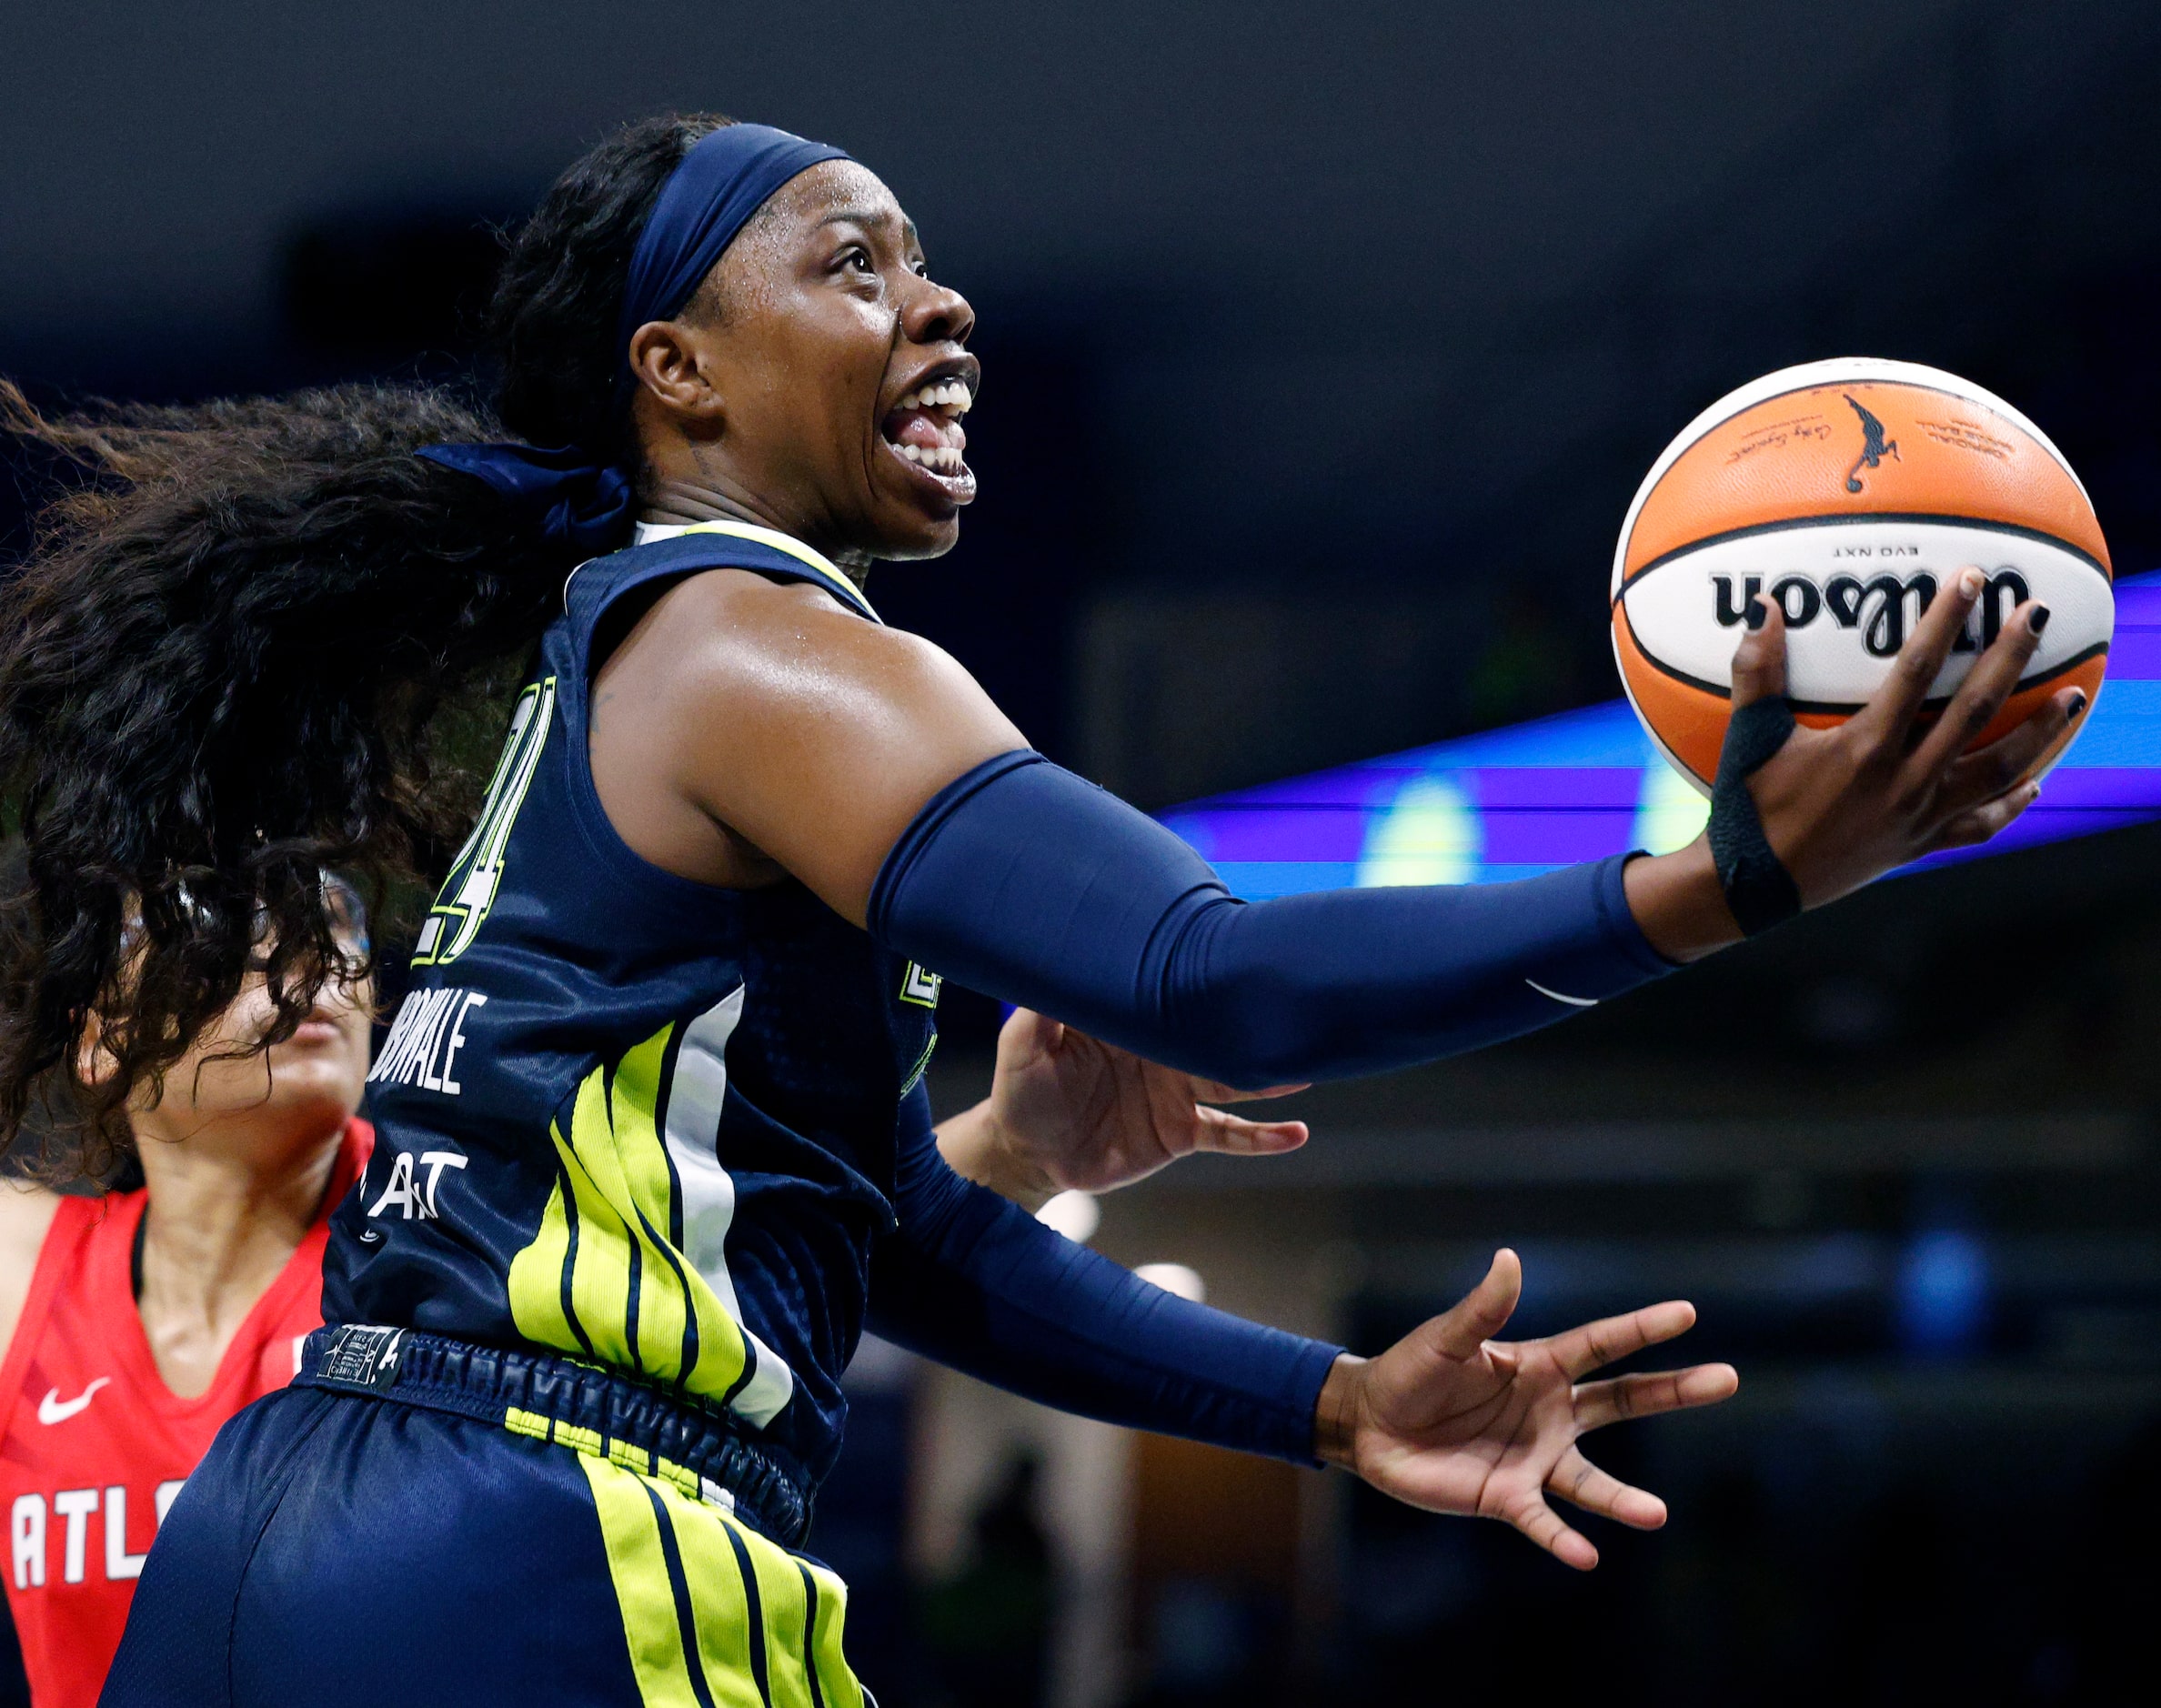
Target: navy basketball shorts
[{"x": 423, "y": 1537}]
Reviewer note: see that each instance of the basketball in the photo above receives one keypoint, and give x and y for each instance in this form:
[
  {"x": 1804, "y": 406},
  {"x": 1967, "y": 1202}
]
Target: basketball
[{"x": 1849, "y": 491}]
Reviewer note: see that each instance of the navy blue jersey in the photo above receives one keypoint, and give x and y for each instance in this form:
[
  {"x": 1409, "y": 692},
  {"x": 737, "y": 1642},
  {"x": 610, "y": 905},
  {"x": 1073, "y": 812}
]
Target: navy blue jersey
[{"x": 628, "y": 1116}]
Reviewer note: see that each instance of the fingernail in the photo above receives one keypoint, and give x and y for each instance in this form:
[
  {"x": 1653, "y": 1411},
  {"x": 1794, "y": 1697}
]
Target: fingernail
[
  {"x": 2038, "y": 621},
  {"x": 1758, "y": 613},
  {"x": 1969, "y": 583}
]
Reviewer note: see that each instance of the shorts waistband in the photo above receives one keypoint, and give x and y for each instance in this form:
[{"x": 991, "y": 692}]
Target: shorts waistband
[{"x": 593, "y": 1410}]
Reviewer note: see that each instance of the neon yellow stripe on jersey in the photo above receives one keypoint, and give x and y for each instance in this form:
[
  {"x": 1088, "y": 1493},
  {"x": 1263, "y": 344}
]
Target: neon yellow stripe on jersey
[
  {"x": 606, "y": 1124},
  {"x": 632, "y": 1295},
  {"x": 535, "y": 1278},
  {"x": 600, "y": 1264},
  {"x": 815, "y": 561},
  {"x": 648, "y": 1194}
]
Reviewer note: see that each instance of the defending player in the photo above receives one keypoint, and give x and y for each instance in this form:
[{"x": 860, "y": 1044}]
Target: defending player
[
  {"x": 653, "y": 1136},
  {"x": 135, "y": 1324}
]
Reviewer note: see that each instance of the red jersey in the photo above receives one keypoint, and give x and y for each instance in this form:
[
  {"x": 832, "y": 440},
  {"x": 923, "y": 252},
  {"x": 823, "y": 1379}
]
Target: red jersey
[{"x": 93, "y": 1446}]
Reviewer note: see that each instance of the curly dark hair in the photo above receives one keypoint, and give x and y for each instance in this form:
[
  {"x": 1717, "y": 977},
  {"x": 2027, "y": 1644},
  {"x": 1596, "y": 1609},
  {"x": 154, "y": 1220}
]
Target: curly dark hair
[{"x": 235, "y": 655}]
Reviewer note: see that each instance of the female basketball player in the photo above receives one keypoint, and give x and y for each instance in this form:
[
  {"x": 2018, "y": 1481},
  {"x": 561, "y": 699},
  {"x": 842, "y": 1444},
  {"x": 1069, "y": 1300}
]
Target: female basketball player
[
  {"x": 133, "y": 1325},
  {"x": 653, "y": 1139}
]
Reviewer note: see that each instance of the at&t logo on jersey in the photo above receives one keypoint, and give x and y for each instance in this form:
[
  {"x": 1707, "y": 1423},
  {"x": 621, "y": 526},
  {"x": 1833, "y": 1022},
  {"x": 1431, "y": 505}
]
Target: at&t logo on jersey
[{"x": 411, "y": 1194}]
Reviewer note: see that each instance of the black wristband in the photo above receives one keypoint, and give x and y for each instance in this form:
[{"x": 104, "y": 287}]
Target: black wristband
[{"x": 1758, "y": 888}]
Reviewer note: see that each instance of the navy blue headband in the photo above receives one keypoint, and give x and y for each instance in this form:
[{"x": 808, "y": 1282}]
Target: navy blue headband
[
  {"x": 725, "y": 179},
  {"x": 575, "y": 497}
]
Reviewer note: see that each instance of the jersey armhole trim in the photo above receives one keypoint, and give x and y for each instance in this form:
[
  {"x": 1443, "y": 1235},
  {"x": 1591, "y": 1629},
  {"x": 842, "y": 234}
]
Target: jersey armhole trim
[{"x": 772, "y": 555}]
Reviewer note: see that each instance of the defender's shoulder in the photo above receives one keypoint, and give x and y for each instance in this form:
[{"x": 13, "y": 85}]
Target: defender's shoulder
[{"x": 26, "y": 1215}]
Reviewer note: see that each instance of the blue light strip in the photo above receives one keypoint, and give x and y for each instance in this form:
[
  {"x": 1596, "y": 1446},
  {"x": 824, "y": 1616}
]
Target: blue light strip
[{"x": 1525, "y": 799}]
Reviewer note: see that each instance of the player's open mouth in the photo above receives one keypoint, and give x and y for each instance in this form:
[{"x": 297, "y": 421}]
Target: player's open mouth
[{"x": 924, "y": 431}]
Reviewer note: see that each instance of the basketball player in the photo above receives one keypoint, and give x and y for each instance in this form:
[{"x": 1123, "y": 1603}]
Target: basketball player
[
  {"x": 653, "y": 1141},
  {"x": 133, "y": 1324}
]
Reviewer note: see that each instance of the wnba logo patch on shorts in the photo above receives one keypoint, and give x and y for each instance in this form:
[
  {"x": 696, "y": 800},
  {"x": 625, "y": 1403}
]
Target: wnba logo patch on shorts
[{"x": 358, "y": 1355}]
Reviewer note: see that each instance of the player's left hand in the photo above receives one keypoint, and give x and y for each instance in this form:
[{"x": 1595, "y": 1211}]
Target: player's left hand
[
  {"x": 1068, "y": 1113},
  {"x": 1452, "y": 1420}
]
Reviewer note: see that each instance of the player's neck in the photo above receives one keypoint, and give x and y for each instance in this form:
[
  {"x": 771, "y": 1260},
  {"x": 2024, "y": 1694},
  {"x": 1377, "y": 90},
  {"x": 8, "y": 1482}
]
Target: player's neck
[
  {"x": 222, "y": 1222},
  {"x": 676, "y": 503}
]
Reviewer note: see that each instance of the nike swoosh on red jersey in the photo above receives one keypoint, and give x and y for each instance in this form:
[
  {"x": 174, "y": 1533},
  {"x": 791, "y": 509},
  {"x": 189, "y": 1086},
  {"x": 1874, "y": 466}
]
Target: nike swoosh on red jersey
[{"x": 53, "y": 1409}]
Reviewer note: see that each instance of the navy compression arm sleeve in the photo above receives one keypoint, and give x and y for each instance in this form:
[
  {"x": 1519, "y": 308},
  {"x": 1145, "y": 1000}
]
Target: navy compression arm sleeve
[
  {"x": 977, "y": 1283},
  {"x": 1024, "y": 883}
]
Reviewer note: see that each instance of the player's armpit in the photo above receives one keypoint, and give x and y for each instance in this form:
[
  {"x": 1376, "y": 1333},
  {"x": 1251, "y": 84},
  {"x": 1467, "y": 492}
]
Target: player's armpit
[{"x": 793, "y": 727}]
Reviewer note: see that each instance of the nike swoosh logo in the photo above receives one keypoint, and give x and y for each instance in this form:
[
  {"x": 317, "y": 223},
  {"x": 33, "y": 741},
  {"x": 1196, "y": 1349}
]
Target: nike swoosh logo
[{"x": 53, "y": 1409}]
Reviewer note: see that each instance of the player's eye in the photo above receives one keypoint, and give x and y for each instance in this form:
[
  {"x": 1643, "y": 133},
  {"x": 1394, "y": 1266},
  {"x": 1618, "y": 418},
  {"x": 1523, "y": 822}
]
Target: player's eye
[{"x": 859, "y": 259}]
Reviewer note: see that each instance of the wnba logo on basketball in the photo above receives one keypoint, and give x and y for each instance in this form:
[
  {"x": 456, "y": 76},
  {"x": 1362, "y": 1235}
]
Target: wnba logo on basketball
[{"x": 1881, "y": 608}]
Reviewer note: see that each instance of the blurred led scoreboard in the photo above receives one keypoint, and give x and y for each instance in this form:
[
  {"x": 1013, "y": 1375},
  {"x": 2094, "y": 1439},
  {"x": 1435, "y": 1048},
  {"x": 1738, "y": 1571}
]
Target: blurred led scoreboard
[{"x": 1525, "y": 800}]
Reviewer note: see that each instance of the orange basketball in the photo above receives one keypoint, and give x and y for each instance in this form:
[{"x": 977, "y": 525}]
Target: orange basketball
[{"x": 1849, "y": 491}]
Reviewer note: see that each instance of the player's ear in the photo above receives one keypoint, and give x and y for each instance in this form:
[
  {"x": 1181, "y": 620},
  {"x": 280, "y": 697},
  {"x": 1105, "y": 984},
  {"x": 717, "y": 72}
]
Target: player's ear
[{"x": 665, "y": 358}]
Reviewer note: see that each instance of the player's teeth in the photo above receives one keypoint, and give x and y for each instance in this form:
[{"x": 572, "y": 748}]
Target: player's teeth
[
  {"x": 952, "y": 395},
  {"x": 909, "y": 452}
]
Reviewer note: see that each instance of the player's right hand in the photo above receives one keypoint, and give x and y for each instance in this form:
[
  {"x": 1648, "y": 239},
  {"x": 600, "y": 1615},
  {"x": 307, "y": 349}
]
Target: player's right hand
[{"x": 1845, "y": 805}]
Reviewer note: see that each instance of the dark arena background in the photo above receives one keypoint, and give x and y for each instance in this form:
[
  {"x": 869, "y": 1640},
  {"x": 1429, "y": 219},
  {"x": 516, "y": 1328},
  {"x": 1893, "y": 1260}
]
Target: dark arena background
[{"x": 1323, "y": 348}]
